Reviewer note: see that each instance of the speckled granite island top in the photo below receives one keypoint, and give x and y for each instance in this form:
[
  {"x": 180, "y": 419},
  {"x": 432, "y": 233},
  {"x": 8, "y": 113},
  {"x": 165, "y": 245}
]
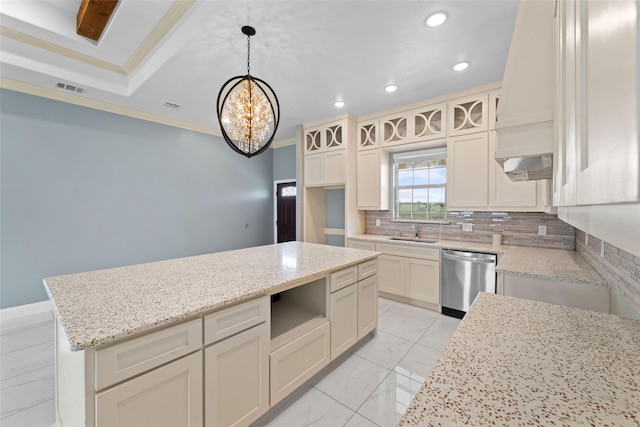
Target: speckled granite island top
[
  {"x": 516, "y": 362},
  {"x": 102, "y": 306}
]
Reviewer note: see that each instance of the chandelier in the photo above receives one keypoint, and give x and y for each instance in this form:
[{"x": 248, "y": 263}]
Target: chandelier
[{"x": 248, "y": 110}]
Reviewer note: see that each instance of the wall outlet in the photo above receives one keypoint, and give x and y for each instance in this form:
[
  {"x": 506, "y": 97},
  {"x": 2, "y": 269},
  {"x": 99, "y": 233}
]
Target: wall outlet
[
  {"x": 602, "y": 248},
  {"x": 377, "y": 222},
  {"x": 542, "y": 230},
  {"x": 467, "y": 227}
]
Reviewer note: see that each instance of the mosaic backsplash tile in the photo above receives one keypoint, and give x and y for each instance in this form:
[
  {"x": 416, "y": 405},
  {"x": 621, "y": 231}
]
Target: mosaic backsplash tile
[{"x": 517, "y": 228}]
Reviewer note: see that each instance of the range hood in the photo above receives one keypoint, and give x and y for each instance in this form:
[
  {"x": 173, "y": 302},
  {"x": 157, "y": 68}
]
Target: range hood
[{"x": 524, "y": 124}]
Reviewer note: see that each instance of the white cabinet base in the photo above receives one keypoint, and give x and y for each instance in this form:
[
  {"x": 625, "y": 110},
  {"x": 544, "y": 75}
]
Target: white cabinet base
[{"x": 589, "y": 297}]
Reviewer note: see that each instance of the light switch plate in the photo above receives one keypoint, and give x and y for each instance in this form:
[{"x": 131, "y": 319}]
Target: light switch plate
[
  {"x": 467, "y": 227},
  {"x": 542, "y": 230}
]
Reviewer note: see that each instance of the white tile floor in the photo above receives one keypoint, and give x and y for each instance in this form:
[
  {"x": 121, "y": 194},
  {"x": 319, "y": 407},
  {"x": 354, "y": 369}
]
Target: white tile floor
[{"x": 372, "y": 387}]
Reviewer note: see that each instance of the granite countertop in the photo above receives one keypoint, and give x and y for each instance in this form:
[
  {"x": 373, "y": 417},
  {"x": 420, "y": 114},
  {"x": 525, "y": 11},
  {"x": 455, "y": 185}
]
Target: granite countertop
[
  {"x": 554, "y": 264},
  {"x": 517, "y": 362},
  {"x": 106, "y": 305}
]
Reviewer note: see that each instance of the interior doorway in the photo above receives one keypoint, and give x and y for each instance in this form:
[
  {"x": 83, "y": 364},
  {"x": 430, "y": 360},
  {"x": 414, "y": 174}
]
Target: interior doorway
[{"x": 285, "y": 211}]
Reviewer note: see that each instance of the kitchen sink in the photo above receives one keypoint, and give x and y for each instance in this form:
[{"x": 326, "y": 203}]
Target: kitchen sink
[{"x": 413, "y": 239}]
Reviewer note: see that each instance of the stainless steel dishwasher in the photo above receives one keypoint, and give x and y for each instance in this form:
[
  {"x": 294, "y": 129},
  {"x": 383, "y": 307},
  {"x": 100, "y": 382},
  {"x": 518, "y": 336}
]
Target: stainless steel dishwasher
[{"x": 463, "y": 275}]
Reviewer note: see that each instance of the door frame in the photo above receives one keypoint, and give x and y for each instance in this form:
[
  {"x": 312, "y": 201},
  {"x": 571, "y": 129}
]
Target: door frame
[{"x": 275, "y": 204}]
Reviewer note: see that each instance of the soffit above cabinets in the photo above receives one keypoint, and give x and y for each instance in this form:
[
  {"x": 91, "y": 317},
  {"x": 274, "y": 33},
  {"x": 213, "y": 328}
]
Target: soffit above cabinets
[{"x": 311, "y": 52}]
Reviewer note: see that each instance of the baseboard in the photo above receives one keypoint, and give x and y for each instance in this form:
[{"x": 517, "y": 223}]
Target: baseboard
[{"x": 11, "y": 313}]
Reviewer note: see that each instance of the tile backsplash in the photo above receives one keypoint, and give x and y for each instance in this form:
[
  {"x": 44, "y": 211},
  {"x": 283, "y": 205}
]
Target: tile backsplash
[
  {"x": 619, "y": 268},
  {"x": 517, "y": 228}
]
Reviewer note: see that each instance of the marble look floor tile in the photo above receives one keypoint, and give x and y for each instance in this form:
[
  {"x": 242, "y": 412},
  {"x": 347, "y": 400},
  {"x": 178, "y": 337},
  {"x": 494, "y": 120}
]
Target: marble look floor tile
[
  {"x": 417, "y": 363},
  {"x": 313, "y": 409},
  {"x": 390, "y": 400},
  {"x": 20, "y": 362},
  {"x": 439, "y": 333},
  {"x": 353, "y": 381},
  {"x": 419, "y": 313},
  {"x": 27, "y": 390},
  {"x": 359, "y": 421},
  {"x": 385, "y": 304},
  {"x": 408, "y": 328},
  {"x": 42, "y": 415},
  {"x": 17, "y": 339},
  {"x": 385, "y": 349}
]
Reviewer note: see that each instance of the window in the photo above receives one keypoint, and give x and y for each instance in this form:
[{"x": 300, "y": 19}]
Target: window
[
  {"x": 288, "y": 191},
  {"x": 420, "y": 184}
]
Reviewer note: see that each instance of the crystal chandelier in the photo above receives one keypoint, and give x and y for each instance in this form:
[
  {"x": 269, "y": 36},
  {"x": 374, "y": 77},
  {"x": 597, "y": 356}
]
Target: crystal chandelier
[{"x": 248, "y": 110}]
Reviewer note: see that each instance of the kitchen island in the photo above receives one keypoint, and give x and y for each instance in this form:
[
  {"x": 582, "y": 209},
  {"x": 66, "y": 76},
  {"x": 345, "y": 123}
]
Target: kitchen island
[
  {"x": 516, "y": 362},
  {"x": 214, "y": 339}
]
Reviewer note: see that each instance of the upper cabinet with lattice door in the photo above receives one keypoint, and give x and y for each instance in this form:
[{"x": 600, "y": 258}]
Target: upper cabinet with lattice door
[
  {"x": 468, "y": 115},
  {"x": 415, "y": 125},
  {"x": 330, "y": 136},
  {"x": 368, "y": 134}
]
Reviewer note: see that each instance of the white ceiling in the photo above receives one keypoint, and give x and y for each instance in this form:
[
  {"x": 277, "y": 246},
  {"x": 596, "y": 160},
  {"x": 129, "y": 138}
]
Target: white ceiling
[{"x": 310, "y": 52}]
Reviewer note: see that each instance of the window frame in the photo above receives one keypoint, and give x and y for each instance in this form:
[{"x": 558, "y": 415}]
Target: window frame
[{"x": 417, "y": 156}]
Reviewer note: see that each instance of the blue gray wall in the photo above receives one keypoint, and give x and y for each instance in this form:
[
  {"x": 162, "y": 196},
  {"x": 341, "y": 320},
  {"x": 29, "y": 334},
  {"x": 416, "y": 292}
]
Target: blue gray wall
[
  {"x": 83, "y": 189},
  {"x": 284, "y": 163}
]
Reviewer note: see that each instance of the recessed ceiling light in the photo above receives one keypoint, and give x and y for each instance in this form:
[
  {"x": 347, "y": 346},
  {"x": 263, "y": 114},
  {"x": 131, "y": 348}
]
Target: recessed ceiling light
[
  {"x": 461, "y": 66},
  {"x": 391, "y": 88},
  {"x": 338, "y": 104},
  {"x": 435, "y": 19}
]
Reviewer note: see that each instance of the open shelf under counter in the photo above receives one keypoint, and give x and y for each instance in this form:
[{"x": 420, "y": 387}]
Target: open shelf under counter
[{"x": 290, "y": 321}]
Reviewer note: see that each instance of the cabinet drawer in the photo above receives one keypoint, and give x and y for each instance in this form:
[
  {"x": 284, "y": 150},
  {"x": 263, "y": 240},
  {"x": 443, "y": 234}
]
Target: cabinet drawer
[
  {"x": 124, "y": 360},
  {"x": 343, "y": 278},
  {"x": 296, "y": 362},
  {"x": 230, "y": 321},
  {"x": 411, "y": 252},
  {"x": 359, "y": 244},
  {"x": 168, "y": 396},
  {"x": 368, "y": 268}
]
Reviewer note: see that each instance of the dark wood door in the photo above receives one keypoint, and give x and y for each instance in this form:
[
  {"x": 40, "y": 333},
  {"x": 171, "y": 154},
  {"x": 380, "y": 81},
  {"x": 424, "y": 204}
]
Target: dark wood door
[{"x": 286, "y": 207}]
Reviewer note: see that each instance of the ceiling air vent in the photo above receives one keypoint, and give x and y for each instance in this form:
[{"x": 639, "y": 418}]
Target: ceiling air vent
[
  {"x": 70, "y": 88},
  {"x": 172, "y": 105}
]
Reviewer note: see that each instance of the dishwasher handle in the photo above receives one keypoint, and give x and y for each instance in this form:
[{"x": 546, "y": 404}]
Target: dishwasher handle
[{"x": 476, "y": 260}]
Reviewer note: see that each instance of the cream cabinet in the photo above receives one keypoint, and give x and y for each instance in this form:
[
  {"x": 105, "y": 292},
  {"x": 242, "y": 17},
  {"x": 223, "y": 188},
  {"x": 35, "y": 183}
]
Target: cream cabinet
[
  {"x": 359, "y": 244},
  {"x": 325, "y": 137},
  {"x": 353, "y": 305},
  {"x": 168, "y": 396},
  {"x": 468, "y": 171},
  {"x": 410, "y": 274},
  {"x": 237, "y": 378},
  {"x": 468, "y": 114},
  {"x": 372, "y": 180},
  {"x": 343, "y": 315},
  {"x": 368, "y": 134},
  {"x": 367, "y": 305},
  {"x": 494, "y": 99},
  {"x": 327, "y": 168},
  {"x": 237, "y": 364},
  {"x": 419, "y": 124}
]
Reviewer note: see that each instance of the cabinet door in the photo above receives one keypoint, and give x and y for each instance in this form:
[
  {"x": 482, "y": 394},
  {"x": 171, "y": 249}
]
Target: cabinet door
[
  {"x": 313, "y": 140},
  {"x": 370, "y": 187},
  {"x": 368, "y": 134},
  {"x": 169, "y": 396},
  {"x": 335, "y": 135},
  {"x": 494, "y": 98},
  {"x": 504, "y": 193},
  {"x": 391, "y": 274},
  {"x": 335, "y": 167},
  {"x": 367, "y": 305},
  {"x": 468, "y": 115},
  {"x": 237, "y": 378},
  {"x": 429, "y": 122},
  {"x": 314, "y": 169},
  {"x": 608, "y": 154},
  {"x": 467, "y": 171},
  {"x": 396, "y": 129},
  {"x": 422, "y": 280},
  {"x": 343, "y": 315}
]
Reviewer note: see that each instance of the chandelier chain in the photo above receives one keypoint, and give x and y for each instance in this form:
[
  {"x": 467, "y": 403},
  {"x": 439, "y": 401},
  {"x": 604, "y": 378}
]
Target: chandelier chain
[{"x": 248, "y": 55}]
